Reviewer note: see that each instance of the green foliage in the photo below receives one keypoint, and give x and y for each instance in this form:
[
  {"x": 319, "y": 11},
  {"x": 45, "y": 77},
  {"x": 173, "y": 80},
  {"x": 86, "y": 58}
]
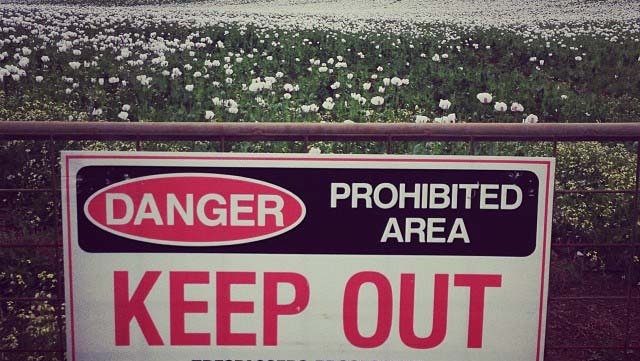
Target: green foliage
[
  {"x": 30, "y": 324},
  {"x": 542, "y": 73},
  {"x": 594, "y": 217}
]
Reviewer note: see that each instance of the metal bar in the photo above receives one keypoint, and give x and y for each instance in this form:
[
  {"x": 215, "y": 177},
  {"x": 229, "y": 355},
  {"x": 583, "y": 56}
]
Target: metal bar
[
  {"x": 590, "y": 347},
  {"x": 58, "y": 235},
  {"x": 31, "y": 245},
  {"x": 31, "y": 350},
  {"x": 608, "y": 245},
  {"x": 59, "y": 130},
  {"x": 31, "y": 299},
  {"x": 389, "y": 147},
  {"x": 590, "y": 298},
  {"x": 594, "y": 191},
  {"x": 632, "y": 248},
  {"x": 15, "y": 190}
]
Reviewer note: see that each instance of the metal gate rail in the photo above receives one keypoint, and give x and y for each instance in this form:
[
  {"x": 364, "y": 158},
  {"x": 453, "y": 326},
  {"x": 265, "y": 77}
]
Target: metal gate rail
[
  {"x": 320, "y": 131},
  {"x": 470, "y": 133}
]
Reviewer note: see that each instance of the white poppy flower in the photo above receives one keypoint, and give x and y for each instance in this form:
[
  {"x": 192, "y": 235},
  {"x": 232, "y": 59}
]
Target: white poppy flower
[
  {"x": 377, "y": 100},
  {"x": 500, "y": 107},
  {"x": 328, "y": 104},
  {"x": 444, "y": 104},
  {"x": 208, "y": 115},
  {"x": 256, "y": 85},
  {"x": 484, "y": 98},
  {"x": 516, "y": 107},
  {"x": 144, "y": 80},
  {"x": 449, "y": 119},
  {"x": 188, "y": 87},
  {"x": 126, "y": 107},
  {"x": 123, "y": 115},
  {"x": 422, "y": 119},
  {"x": 530, "y": 119}
]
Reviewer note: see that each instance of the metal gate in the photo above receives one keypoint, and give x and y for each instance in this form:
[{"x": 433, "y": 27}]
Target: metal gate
[{"x": 594, "y": 308}]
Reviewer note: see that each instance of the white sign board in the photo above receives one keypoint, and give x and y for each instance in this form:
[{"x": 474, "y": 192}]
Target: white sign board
[{"x": 187, "y": 256}]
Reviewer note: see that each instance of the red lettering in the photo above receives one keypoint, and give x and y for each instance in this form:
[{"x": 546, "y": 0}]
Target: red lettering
[
  {"x": 407, "y": 308},
  {"x": 477, "y": 284},
  {"x": 272, "y": 309},
  {"x": 178, "y": 307},
  {"x": 350, "y": 309},
  {"x": 225, "y": 307},
  {"x": 127, "y": 308}
]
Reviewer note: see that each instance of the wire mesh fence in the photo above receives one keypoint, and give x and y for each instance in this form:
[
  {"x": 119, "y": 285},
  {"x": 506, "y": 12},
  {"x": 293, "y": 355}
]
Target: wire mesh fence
[{"x": 594, "y": 294}]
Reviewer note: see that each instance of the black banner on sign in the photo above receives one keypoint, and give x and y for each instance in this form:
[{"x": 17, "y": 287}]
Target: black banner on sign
[{"x": 352, "y": 211}]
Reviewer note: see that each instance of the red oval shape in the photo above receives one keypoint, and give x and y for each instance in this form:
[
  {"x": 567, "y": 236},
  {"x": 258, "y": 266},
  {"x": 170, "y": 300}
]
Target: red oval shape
[{"x": 195, "y": 209}]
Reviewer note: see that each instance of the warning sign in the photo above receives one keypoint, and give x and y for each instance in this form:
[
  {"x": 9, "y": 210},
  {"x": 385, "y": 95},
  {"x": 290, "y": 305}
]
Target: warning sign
[{"x": 186, "y": 256}]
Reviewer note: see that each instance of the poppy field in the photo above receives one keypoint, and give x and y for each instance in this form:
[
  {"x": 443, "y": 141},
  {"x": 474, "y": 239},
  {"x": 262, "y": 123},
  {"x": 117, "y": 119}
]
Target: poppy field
[{"x": 311, "y": 61}]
